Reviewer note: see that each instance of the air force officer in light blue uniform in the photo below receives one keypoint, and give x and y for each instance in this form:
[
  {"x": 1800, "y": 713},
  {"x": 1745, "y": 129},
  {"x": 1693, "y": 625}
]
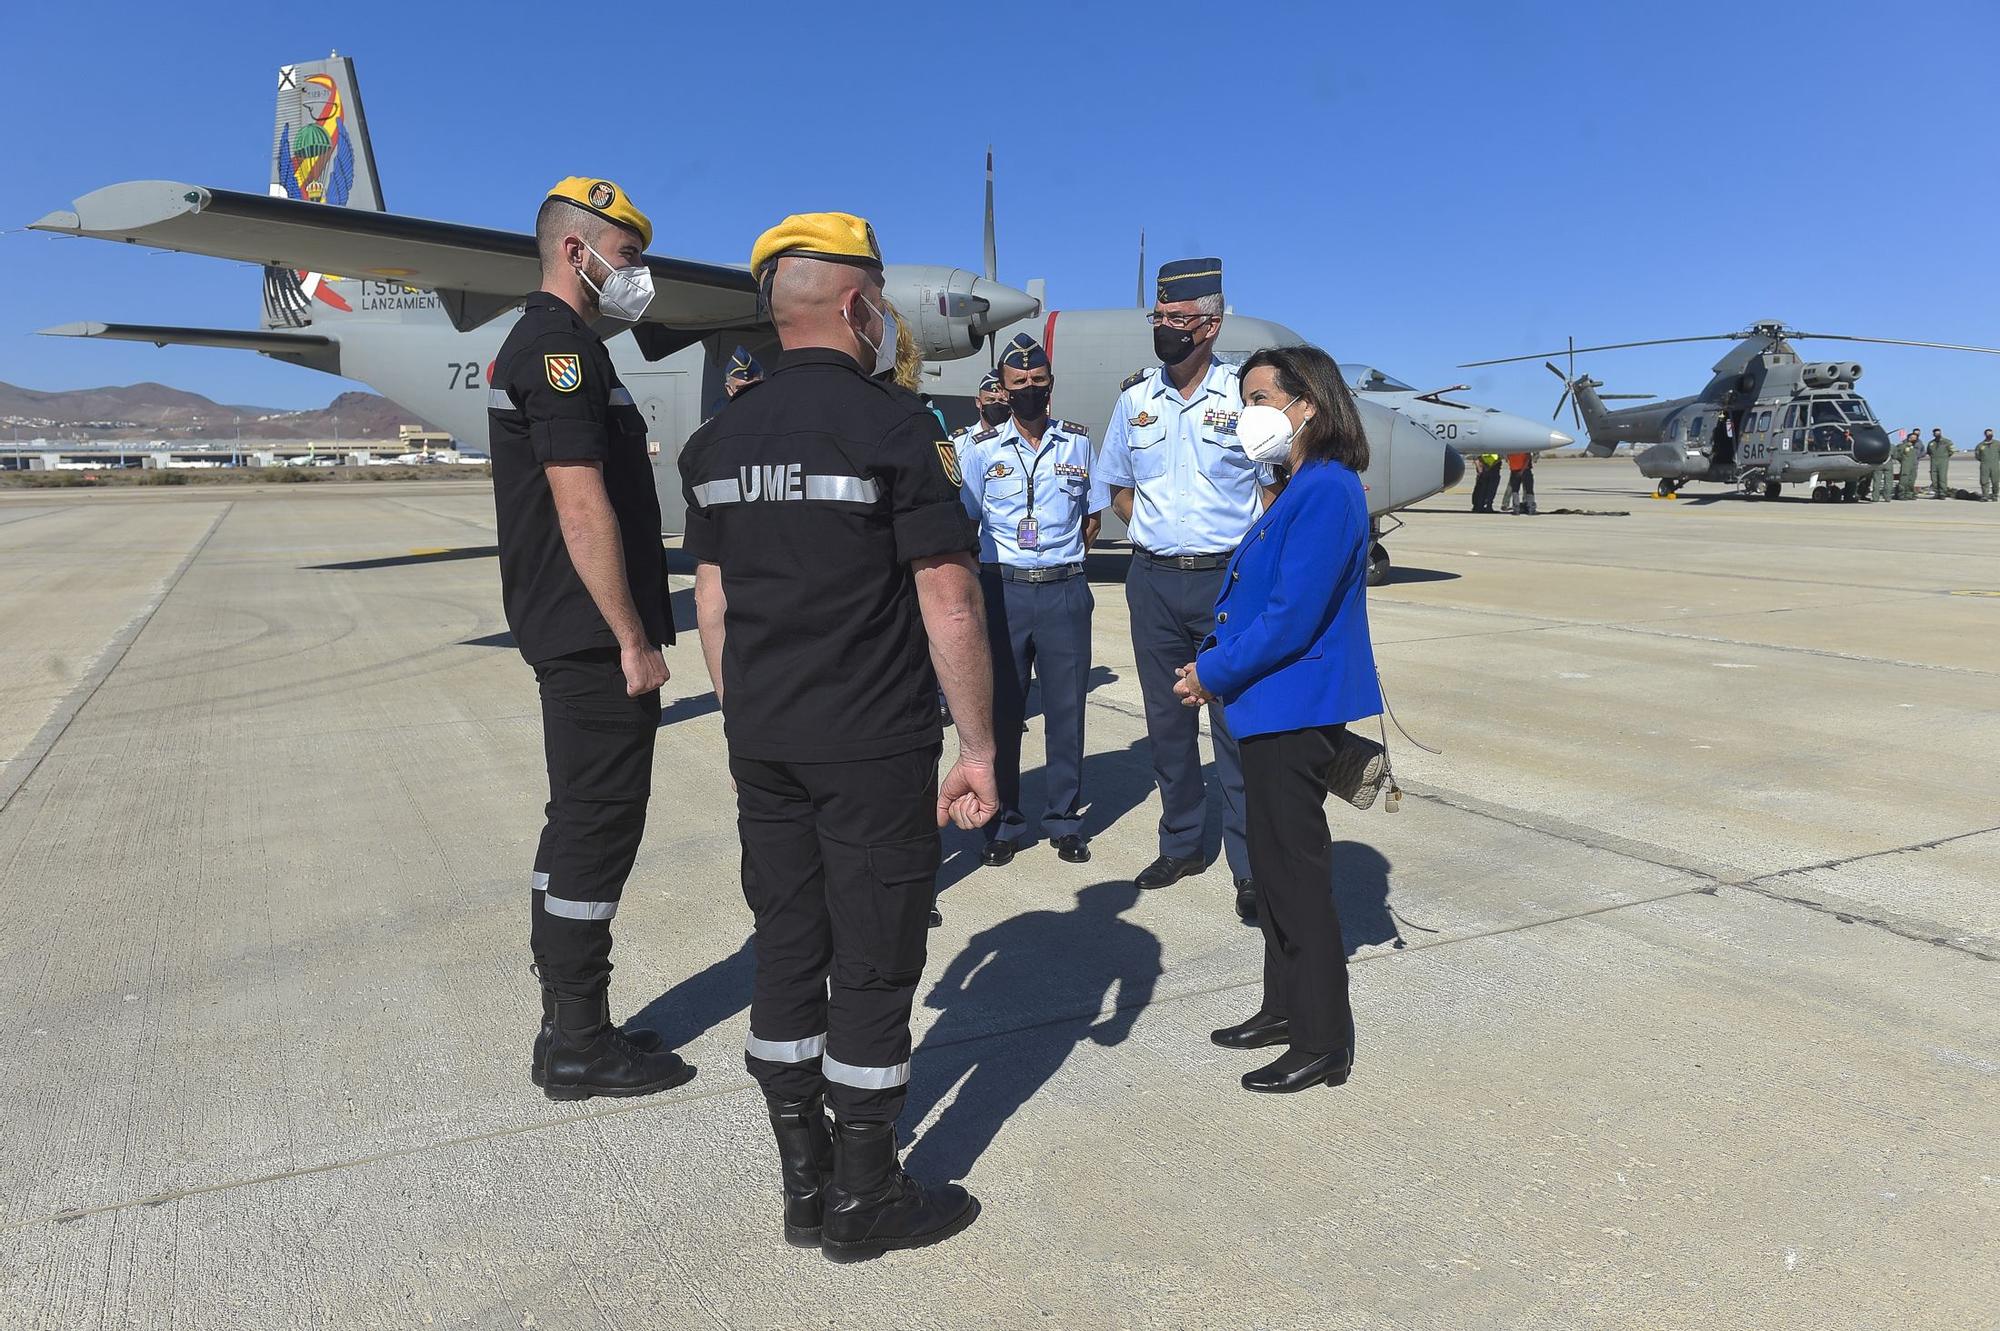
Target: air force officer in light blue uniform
[
  {"x": 1188, "y": 494},
  {"x": 1029, "y": 483}
]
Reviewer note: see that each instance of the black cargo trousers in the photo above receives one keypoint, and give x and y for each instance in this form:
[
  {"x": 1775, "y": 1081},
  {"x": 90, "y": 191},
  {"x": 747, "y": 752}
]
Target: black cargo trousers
[
  {"x": 599, "y": 747},
  {"x": 840, "y": 860}
]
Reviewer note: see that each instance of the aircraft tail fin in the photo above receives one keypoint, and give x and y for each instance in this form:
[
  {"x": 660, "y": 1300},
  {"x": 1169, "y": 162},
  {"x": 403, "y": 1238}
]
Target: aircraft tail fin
[{"x": 320, "y": 153}]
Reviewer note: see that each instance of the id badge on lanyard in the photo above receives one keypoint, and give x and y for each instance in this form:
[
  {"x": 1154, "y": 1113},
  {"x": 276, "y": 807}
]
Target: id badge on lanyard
[{"x": 1028, "y": 532}]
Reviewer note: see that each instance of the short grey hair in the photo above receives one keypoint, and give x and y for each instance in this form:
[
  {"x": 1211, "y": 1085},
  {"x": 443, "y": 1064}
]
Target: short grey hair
[{"x": 1209, "y": 304}]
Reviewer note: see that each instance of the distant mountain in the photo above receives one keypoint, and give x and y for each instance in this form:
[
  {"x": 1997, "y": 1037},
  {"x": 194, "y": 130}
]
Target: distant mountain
[{"x": 155, "y": 411}]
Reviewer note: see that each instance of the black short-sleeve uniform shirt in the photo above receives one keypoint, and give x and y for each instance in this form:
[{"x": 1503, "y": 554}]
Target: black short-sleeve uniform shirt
[
  {"x": 813, "y": 492},
  {"x": 554, "y": 397}
]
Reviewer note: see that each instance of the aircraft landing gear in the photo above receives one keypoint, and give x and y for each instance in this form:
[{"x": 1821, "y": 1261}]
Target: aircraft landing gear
[
  {"x": 1823, "y": 494},
  {"x": 1772, "y": 489},
  {"x": 1378, "y": 564},
  {"x": 1667, "y": 488}
]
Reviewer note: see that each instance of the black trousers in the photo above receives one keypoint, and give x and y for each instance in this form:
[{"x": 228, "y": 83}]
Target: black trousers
[
  {"x": 1173, "y": 611},
  {"x": 1043, "y": 627},
  {"x": 1521, "y": 482},
  {"x": 840, "y": 862},
  {"x": 1305, "y": 960},
  {"x": 1484, "y": 487},
  {"x": 599, "y": 747}
]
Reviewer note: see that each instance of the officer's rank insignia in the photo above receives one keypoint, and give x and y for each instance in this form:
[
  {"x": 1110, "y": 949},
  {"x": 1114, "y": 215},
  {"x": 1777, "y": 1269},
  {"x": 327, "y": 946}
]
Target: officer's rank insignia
[
  {"x": 1135, "y": 378},
  {"x": 948, "y": 456},
  {"x": 565, "y": 372},
  {"x": 999, "y": 471},
  {"x": 1142, "y": 420}
]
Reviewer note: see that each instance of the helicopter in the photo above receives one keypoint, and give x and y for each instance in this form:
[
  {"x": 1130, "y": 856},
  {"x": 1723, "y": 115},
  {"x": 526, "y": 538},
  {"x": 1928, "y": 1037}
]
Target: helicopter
[{"x": 1765, "y": 420}]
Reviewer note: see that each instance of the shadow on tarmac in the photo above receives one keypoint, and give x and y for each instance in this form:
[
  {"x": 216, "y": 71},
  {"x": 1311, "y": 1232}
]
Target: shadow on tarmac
[{"x": 1098, "y": 954}]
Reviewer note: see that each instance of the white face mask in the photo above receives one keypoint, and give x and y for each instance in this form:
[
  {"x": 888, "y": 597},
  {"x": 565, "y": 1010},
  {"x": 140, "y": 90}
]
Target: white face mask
[
  {"x": 626, "y": 291},
  {"x": 885, "y": 350},
  {"x": 1266, "y": 433}
]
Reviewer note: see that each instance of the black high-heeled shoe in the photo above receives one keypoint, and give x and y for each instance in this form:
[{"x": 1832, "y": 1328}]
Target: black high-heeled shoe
[
  {"x": 1299, "y": 1069},
  {"x": 1262, "y": 1029}
]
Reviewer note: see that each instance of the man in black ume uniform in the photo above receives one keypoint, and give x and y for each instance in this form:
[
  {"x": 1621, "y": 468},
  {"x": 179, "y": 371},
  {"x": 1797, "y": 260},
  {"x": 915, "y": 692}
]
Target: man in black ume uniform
[
  {"x": 583, "y": 578},
  {"x": 836, "y": 589}
]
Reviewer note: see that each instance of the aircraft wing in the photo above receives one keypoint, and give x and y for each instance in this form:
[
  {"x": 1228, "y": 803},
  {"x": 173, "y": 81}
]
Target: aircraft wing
[
  {"x": 309, "y": 349},
  {"x": 478, "y": 273}
]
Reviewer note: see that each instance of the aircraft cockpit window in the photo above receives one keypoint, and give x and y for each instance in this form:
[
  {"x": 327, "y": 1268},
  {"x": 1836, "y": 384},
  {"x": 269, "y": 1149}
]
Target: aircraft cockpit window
[
  {"x": 1763, "y": 422},
  {"x": 1856, "y": 409},
  {"x": 1368, "y": 379},
  {"x": 1826, "y": 413}
]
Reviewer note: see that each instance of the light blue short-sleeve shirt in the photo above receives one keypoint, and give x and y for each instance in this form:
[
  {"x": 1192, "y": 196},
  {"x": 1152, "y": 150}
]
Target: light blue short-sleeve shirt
[
  {"x": 1195, "y": 492},
  {"x": 1009, "y": 479}
]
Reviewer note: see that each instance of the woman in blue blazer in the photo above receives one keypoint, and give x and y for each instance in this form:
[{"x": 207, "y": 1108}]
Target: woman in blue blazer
[{"x": 1291, "y": 663}]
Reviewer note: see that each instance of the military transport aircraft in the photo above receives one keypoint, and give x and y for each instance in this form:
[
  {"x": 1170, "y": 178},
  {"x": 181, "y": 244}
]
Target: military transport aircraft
[
  {"x": 1766, "y": 419},
  {"x": 418, "y": 308}
]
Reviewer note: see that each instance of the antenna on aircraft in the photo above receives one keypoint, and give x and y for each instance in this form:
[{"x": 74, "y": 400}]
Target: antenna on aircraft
[{"x": 1139, "y": 297}]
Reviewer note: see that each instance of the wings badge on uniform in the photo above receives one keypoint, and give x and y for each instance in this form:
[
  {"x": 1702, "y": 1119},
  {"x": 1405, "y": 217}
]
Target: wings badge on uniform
[
  {"x": 948, "y": 457},
  {"x": 565, "y": 372}
]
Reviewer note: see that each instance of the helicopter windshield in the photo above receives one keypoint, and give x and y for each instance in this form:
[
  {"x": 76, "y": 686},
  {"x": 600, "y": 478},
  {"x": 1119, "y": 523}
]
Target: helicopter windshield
[
  {"x": 1826, "y": 413},
  {"x": 1856, "y": 409},
  {"x": 1368, "y": 379}
]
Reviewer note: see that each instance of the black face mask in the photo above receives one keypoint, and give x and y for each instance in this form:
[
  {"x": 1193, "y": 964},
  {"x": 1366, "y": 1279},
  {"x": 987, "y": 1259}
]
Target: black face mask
[
  {"x": 993, "y": 413},
  {"x": 1172, "y": 345},
  {"x": 1030, "y": 403}
]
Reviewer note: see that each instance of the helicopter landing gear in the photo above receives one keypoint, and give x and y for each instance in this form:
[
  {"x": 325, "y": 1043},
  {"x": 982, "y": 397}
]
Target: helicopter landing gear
[
  {"x": 1824, "y": 494},
  {"x": 1772, "y": 489},
  {"x": 1667, "y": 488},
  {"x": 1754, "y": 486},
  {"x": 1378, "y": 564}
]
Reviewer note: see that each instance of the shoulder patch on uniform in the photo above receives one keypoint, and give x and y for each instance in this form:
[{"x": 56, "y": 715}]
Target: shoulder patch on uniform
[
  {"x": 948, "y": 456},
  {"x": 1136, "y": 376},
  {"x": 984, "y": 435},
  {"x": 1071, "y": 427},
  {"x": 960, "y": 433},
  {"x": 565, "y": 371}
]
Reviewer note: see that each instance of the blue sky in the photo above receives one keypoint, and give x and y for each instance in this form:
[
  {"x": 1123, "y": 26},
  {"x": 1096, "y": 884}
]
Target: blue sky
[{"x": 1411, "y": 184}]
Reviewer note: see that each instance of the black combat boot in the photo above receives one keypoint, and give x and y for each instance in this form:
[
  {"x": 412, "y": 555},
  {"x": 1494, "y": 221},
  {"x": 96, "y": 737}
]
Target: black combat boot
[
  {"x": 589, "y": 1056},
  {"x": 872, "y": 1206},
  {"x": 805, "y": 1163},
  {"x": 538, "y": 1059}
]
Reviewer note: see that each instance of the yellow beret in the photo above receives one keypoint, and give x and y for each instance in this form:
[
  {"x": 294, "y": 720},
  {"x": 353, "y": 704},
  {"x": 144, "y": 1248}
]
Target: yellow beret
[
  {"x": 841, "y": 237},
  {"x": 604, "y": 198}
]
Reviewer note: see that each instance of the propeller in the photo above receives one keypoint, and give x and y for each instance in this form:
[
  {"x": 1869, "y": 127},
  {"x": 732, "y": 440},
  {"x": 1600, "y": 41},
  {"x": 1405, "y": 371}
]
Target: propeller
[
  {"x": 992, "y": 262},
  {"x": 1571, "y": 383}
]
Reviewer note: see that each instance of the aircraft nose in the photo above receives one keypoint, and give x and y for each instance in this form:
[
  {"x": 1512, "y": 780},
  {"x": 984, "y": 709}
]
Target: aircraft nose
[
  {"x": 1871, "y": 447},
  {"x": 1500, "y": 432},
  {"x": 1004, "y": 304}
]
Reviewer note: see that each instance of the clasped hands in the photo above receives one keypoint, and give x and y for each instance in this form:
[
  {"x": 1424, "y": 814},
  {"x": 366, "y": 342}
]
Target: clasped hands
[{"x": 1189, "y": 690}]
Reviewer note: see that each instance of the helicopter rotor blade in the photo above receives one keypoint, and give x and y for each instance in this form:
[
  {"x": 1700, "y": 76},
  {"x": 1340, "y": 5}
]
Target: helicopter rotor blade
[
  {"x": 1551, "y": 368},
  {"x": 1610, "y": 397},
  {"x": 1614, "y": 346},
  {"x": 1895, "y": 342},
  {"x": 1557, "y": 413}
]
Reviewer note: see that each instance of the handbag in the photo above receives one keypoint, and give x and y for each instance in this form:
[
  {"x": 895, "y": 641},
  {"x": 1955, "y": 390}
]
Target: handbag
[{"x": 1359, "y": 770}]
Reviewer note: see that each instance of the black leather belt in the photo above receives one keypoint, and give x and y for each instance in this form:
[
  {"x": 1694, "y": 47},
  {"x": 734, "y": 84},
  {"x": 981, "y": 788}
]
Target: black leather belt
[
  {"x": 1008, "y": 573},
  {"x": 1187, "y": 562}
]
